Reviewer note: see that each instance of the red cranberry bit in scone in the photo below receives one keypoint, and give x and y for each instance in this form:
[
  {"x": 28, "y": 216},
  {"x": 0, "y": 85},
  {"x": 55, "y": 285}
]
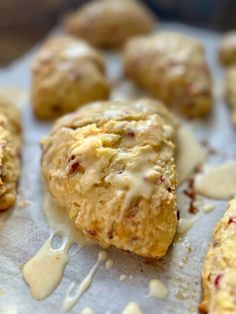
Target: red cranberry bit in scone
[
  {"x": 110, "y": 234},
  {"x": 218, "y": 280},
  {"x": 74, "y": 167},
  {"x": 71, "y": 158},
  {"x": 178, "y": 214},
  {"x": 92, "y": 232},
  {"x": 232, "y": 220},
  {"x": 162, "y": 179},
  {"x": 130, "y": 133},
  {"x": 169, "y": 189}
]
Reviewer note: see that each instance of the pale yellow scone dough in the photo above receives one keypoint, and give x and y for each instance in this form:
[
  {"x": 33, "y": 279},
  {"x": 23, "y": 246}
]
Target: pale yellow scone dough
[
  {"x": 111, "y": 166},
  {"x": 172, "y": 67},
  {"x": 10, "y": 151},
  {"x": 109, "y": 23},
  {"x": 66, "y": 74},
  {"x": 227, "y": 49},
  {"x": 219, "y": 272},
  {"x": 230, "y": 91}
]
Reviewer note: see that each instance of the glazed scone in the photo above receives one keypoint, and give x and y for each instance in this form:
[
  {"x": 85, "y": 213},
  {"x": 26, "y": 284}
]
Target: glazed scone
[
  {"x": 109, "y": 23},
  {"x": 227, "y": 49},
  {"x": 172, "y": 67},
  {"x": 10, "y": 145},
  {"x": 66, "y": 74},
  {"x": 111, "y": 166},
  {"x": 230, "y": 91},
  {"x": 219, "y": 272}
]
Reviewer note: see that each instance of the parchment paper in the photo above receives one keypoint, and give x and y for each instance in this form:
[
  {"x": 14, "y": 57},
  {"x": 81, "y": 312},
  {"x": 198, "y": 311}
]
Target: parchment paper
[{"x": 26, "y": 229}]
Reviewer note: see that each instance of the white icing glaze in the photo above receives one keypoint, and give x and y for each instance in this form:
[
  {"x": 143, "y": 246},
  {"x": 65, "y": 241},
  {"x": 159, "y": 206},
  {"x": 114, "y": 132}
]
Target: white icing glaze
[
  {"x": 208, "y": 208},
  {"x": 137, "y": 185},
  {"x": 190, "y": 154},
  {"x": 9, "y": 309},
  {"x": 185, "y": 224},
  {"x": 157, "y": 289},
  {"x": 87, "y": 310},
  {"x": 77, "y": 51},
  {"x": 126, "y": 90},
  {"x": 60, "y": 223},
  {"x": 123, "y": 277},
  {"x": 134, "y": 177},
  {"x": 70, "y": 300},
  {"x": 109, "y": 264},
  {"x": 44, "y": 271},
  {"x": 132, "y": 308},
  {"x": 112, "y": 113},
  {"x": 218, "y": 182}
]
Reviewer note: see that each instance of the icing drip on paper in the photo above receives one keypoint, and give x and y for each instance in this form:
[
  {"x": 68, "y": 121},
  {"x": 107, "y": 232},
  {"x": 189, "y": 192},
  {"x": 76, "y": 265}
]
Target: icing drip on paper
[
  {"x": 157, "y": 289},
  {"x": 44, "y": 271},
  {"x": 72, "y": 298}
]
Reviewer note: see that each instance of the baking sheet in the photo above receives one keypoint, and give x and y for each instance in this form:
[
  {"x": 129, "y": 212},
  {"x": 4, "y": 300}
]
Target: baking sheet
[{"x": 26, "y": 229}]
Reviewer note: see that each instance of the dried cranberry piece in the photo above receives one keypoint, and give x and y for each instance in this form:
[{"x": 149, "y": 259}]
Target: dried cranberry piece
[
  {"x": 110, "y": 234},
  {"x": 232, "y": 220},
  {"x": 178, "y": 214},
  {"x": 92, "y": 233},
  {"x": 217, "y": 280},
  {"x": 74, "y": 167},
  {"x": 72, "y": 157},
  {"x": 162, "y": 179},
  {"x": 130, "y": 133},
  {"x": 169, "y": 189}
]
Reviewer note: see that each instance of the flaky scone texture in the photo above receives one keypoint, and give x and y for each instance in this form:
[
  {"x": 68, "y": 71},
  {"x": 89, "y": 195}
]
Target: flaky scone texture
[
  {"x": 111, "y": 166},
  {"x": 230, "y": 91},
  {"x": 219, "y": 272},
  {"x": 10, "y": 146},
  {"x": 109, "y": 23},
  {"x": 66, "y": 74},
  {"x": 227, "y": 49},
  {"x": 172, "y": 67}
]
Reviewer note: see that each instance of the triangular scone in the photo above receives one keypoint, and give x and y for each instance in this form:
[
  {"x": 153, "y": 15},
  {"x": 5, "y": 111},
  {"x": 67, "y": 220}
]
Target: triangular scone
[
  {"x": 111, "y": 166},
  {"x": 109, "y": 23},
  {"x": 173, "y": 68}
]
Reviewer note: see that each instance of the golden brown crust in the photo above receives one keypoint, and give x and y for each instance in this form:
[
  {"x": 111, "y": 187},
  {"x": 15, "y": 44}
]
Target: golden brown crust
[
  {"x": 219, "y": 272},
  {"x": 227, "y": 49},
  {"x": 230, "y": 91},
  {"x": 111, "y": 165},
  {"x": 66, "y": 74},
  {"x": 109, "y": 23},
  {"x": 10, "y": 143},
  {"x": 172, "y": 67}
]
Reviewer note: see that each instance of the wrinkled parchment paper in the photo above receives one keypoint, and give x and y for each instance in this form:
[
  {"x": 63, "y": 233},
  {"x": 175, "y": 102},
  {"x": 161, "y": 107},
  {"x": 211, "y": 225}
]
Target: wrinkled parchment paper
[{"x": 26, "y": 229}]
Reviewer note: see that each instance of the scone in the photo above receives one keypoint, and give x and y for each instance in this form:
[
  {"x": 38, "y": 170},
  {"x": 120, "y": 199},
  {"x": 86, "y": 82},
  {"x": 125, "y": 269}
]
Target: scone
[
  {"x": 227, "y": 49},
  {"x": 230, "y": 91},
  {"x": 109, "y": 23},
  {"x": 66, "y": 74},
  {"x": 111, "y": 166},
  {"x": 10, "y": 144},
  {"x": 219, "y": 272},
  {"x": 172, "y": 67}
]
